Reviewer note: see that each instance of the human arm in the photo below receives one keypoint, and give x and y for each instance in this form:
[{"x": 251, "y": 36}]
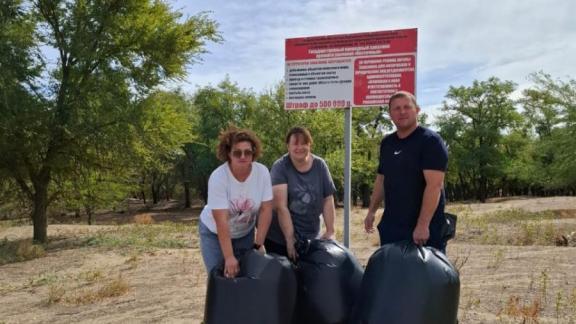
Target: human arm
[
  {"x": 284, "y": 219},
  {"x": 375, "y": 201},
  {"x": 434, "y": 183},
  {"x": 329, "y": 214},
  {"x": 264, "y": 220},
  {"x": 231, "y": 266}
]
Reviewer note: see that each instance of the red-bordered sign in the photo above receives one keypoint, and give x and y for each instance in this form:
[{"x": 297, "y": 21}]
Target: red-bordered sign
[{"x": 339, "y": 71}]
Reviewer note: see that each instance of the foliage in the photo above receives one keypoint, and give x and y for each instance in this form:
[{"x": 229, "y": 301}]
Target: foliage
[
  {"x": 70, "y": 112},
  {"x": 473, "y": 125}
]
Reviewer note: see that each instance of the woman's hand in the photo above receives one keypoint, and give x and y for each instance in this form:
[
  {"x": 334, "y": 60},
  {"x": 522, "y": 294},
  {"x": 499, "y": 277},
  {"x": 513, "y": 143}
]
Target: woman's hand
[{"x": 231, "y": 267}]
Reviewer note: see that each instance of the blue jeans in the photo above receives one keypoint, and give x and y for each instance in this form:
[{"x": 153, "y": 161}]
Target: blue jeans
[{"x": 210, "y": 246}]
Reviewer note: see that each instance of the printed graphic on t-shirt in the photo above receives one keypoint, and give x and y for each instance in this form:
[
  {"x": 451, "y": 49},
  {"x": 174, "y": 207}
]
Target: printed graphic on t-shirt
[
  {"x": 303, "y": 199},
  {"x": 242, "y": 215}
]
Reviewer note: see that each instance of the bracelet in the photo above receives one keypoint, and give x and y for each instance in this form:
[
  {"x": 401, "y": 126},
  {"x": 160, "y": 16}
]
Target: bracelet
[{"x": 256, "y": 246}]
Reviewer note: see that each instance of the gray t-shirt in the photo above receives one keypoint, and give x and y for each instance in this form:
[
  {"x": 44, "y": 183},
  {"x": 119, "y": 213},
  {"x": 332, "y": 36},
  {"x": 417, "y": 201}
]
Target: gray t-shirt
[{"x": 306, "y": 193}]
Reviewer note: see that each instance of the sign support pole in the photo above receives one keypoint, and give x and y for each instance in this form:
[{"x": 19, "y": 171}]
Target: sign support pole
[{"x": 347, "y": 172}]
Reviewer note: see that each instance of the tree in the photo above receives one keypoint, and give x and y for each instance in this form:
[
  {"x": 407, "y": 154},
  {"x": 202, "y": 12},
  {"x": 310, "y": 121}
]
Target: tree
[
  {"x": 550, "y": 107},
  {"x": 69, "y": 112},
  {"x": 474, "y": 122},
  {"x": 164, "y": 126}
]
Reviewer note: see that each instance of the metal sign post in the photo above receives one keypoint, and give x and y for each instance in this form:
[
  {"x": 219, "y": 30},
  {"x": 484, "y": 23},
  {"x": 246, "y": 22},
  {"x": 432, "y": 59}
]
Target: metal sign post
[{"x": 347, "y": 172}]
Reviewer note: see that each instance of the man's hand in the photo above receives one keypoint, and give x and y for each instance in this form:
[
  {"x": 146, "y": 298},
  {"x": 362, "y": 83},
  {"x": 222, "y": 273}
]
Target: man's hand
[
  {"x": 369, "y": 222},
  {"x": 231, "y": 267},
  {"x": 421, "y": 234}
]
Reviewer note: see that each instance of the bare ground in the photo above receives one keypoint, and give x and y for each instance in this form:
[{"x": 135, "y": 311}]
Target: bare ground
[{"x": 499, "y": 283}]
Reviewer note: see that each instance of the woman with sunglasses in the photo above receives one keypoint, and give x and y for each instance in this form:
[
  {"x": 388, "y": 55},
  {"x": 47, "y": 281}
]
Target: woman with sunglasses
[{"x": 239, "y": 194}]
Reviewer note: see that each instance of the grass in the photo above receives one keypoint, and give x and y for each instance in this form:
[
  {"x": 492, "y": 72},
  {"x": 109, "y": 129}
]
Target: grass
[
  {"x": 91, "y": 276},
  {"x": 55, "y": 293},
  {"x": 132, "y": 261},
  {"x": 497, "y": 259},
  {"x": 146, "y": 237},
  {"x": 15, "y": 222},
  {"x": 460, "y": 260},
  {"x": 143, "y": 219},
  {"x": 19, "y": 250},
  {"x": 42, "y": 279},
  {"x": 99, "y": 288},
  {"x": 526, "y": 311},
  {"x": 513, "y": 227},
  {"x": 114, "y": 288},
  {"x": 141, "y": 237}
]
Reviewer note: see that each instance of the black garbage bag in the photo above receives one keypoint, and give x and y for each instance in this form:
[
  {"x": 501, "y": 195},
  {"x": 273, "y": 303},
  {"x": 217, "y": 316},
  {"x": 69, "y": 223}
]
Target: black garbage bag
[
  {"x": 329, "y": 279},
  {"x": 263, "y": 292},
  {"x": 408, "y": 284}
]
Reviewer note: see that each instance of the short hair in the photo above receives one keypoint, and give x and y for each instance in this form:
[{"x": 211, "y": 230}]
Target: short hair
[
  {"x": 299, "y": 132},
  {"x": 402, "y": 94},
  {"x": 233, "y": 135}
]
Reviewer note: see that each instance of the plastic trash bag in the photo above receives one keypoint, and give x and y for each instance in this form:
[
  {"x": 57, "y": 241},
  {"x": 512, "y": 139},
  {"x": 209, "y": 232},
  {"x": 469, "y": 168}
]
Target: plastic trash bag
[
  {"x": 263, "y": 292},
  {"x": 408, "y": 284},
  {"x": 329, "y": 279}
]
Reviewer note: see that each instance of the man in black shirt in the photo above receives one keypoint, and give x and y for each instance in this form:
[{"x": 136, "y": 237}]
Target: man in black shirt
[{"x": 410, "y": 179}]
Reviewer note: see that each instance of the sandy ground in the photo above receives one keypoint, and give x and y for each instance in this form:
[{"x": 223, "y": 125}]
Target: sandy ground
[{"x": 168, "y": 285}]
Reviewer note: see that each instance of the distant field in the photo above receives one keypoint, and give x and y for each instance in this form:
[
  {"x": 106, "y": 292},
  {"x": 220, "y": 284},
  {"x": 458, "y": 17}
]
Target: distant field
[{"x": 516, "y": 260}]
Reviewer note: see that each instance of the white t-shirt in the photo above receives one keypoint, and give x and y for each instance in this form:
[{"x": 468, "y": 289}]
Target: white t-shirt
[{"x": 242, "y": 199}]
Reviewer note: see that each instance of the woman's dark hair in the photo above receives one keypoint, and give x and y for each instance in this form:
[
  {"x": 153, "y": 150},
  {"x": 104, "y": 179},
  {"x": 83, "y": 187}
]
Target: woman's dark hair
[{"x": 301, "y": 133}]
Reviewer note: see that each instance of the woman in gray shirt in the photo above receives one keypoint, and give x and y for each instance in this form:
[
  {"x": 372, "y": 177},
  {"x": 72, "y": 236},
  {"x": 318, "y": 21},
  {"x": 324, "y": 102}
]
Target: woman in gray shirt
[{"x": 303, "y": 190}]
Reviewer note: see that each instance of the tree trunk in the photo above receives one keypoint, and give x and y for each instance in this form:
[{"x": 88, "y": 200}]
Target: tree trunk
[
  {"x": 204, "y": 190},
  {"x": 365, "y": 195},
  {"x": 39, "y": 217},
  {"x": 88, "y": 214},
  {"x": 187, "y": 202},
  {"x": 155, "y": 194}
]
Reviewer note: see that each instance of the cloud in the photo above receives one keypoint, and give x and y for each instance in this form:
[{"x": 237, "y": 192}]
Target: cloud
[{"x": 459, "y": 41}]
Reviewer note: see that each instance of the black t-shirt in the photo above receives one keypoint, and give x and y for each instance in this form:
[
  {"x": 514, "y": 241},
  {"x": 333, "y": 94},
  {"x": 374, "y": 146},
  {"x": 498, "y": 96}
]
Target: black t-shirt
[{"x": 402, "y": 162}]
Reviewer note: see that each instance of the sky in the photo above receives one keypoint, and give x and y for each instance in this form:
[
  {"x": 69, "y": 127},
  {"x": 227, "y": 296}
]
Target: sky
[{"x": 458, "y": 41}]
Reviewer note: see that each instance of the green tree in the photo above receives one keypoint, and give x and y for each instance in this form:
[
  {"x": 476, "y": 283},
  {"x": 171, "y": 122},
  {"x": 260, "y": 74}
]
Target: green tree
[
  {"x": 164, "y": 125},
  {"x": 550, "y": 107},
  {"x": 474, "y": 122},
  {"x": 80, "y": 104}
]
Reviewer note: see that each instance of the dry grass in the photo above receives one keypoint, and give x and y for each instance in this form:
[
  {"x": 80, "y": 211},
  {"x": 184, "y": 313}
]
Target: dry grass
[
  {"x": 497, "y": 259},
  {"x": 146, "y": 237},
  {"x": 114, "y": 288},
  {"x": 91, "y": 276},
  {"x": 46, "y": 278},
  {"x": 526, "y": 311},
  {"x": 514, "y": 227},
  {"x": 20, "y": 250},
  {"x": 132, "y": 261},
  {"x": 105, "y": 288},
  {"x": 55, "y": 294},
  {"x": 460, "y": 260},
  {"x": 145, "y": 219}
]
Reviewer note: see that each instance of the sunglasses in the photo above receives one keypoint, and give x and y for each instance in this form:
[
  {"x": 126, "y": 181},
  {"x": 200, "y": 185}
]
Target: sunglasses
[{"x": 239, "y": 153}]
